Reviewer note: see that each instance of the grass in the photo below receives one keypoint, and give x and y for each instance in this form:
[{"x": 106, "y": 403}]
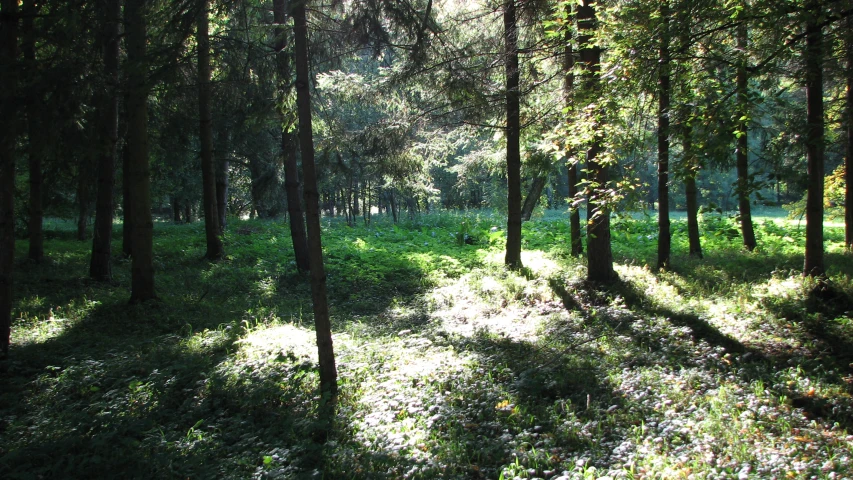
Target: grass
[{"x": 450, "y": 366}]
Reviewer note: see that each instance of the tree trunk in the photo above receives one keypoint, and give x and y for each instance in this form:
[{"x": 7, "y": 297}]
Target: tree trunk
[
  {"x": 222, "y": 181},
  {"x": 83, "y": 197},
  {"x": 664, "y": 233},
  {"x": 743, "y": 187},
  {"x": 533, "y": 197},
  {"x": 813, "y": 265},
  {"x": 36, "y": 138},
  {"x": 848, "y": 162},
  {"x": 8, "y": 138},
  {"x": 599, "y": 253},
  {"x": 691, "y": 193},
  {"x": 568, "y": 98},
  {"x": 208, "y": 169},
  {"x": 322, "y": 325},
  {"x": 288, "y": 143},
  {"x": 513, "y": 139},
  {"x": 100, "y": 266},
  {"x": 176, "y": 210},
  {"x": 126, "y": 207},
  {"x": 142, "y": 266}
]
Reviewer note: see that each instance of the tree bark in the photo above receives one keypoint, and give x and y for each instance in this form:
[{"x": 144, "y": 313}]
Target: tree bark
[
  {"x": 322, "y": 325},
  {"x": 568, "y": 99},
  {"x": 513, "y": 138},
  {"x": 142, "y": 265},
  {"x": 533, "y": 197},
  {"x": 664, "y": 233},
  {"x": 599, "y": 253},
  {"x": 691, "y": 193},
  {"x": 813, "y": 265},
  {"x": 36, "y": 137},
  {"x": 848, "y": 162},
  {"x": 742, "y": 153},
  {"x": 288, "y": 143},
  {"x": 222, "y": 181},
  {"x": 126, "y": 206},
  {"x": 100, "y": 266},
  {"x": 208, "y": 169},
  {"x": 83, "y": 172},
  {"x": 8, "y": 137}
]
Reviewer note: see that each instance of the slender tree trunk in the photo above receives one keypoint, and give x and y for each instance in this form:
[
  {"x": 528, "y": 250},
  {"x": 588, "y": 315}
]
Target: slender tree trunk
[
  {"x": 513, "y": 138},
  {"x": 222, "y": 181},
  {"x": 139, "y": 171},
  {"x": 568, "y": 99},
  {"x": 176, "y": 210},
  {"x": 848, "y": 162},
  {"x": 322, "y": 325},
  {"x": 126, "y": 207},
  {"x": 533, "y": 197},
  {"x": 599, "y": 253},
  {"x": 188, "y": 212},
  {"x": 743, "y": 187},
  {"x": 208, "y": 169},
  {"x": 36, "y": 138},
  {"x": 100, "y": 266},
  {"x": 813, "y": 265},
  {"x": 8, "y": 138},
  {"x": 692, "y": 194},
  {"x": 288, "y": 143},
  {"x": 664, "y": 233}
]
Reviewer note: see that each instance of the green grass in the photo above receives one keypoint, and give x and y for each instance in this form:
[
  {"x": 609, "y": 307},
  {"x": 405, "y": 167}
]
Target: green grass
[{"x": 449, "y": 365}]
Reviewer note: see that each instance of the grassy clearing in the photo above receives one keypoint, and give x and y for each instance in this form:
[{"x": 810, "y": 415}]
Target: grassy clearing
[{"x": 450, "y": 366}]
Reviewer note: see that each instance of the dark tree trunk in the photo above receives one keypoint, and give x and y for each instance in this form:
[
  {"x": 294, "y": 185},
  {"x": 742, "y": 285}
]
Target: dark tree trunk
[
  {"x": 36, "y": 138},
  {"x": 691, "y": 193},
  {"x": 743, "y": 186},
  {"x": 176, "y": 210},
  {"x": 8, "y": 136},
  {"x": 100, "y": 266},
  {"x": 599, "y": 253},
  {"x": 222, "y": 181},
  {"x": 513, "y": 139},
  {"x": 393, "y": 203},
  {"x": 288, "y": 143},
  {"x": 188, "y": 212},
  {"x": 126, "y": 206},
  {"x": 83, "y": 197},
  {"x": 568, "y": 95},
  {"x": 208, "y": 169},
  {"x": 322, "y": 325},
  {"x": 533, "y": 197},
  {"x": 139, "y": 171},
  {"x": 813, "y": 265},
  {"x": 848, "y": 162},
  {"x": 664, "y": 233}
]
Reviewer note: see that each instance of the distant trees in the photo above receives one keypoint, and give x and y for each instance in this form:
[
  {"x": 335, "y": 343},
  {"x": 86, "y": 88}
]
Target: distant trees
[{"x": 8, "y": 136}]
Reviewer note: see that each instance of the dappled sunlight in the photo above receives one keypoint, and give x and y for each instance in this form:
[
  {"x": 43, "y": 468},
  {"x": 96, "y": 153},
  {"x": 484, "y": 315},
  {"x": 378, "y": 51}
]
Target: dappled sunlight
[{"x": 278, "y": 339}]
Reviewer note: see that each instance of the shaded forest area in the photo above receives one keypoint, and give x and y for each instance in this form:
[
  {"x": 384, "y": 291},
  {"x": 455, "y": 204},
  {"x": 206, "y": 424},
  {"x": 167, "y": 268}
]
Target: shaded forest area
[{"x": 550, "y": 239}]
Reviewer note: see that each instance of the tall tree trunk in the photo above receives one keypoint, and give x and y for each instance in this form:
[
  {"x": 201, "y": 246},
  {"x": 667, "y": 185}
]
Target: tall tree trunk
[
  {"x": 533, "y": 197},
  {"x": 848, "y": 162},
  {"x": 568, "y": 99},
  {"x": 288, "y": 142},
  {"x": 513, "y": 138},
  {"x": 322, "y": 325},
  {"x": 35, "y": 135},
  {"x": 208, "y": 169},
  {"x": 664, "y": 233},
  {"x": 142, "y": 266},
  {"x": 100, "y": 266},
  {"x": 813, "y": 265},
  {"x": 743, "y": 186},
  {"x": 8, "y": 137},
  {"x": 599, "y": 253},
  {"x": 222, "y": 180},
  {"x": 691, "y": 193},
  {"x": 126, "y": 204},
  {"x": 83, "y": 196}
]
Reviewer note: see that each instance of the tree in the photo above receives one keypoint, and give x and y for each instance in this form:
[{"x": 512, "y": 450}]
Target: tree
[
  {"x": 322, "y": 325},
  {"x": 664, "y": 90},
  {"x": 599, "y": 253},
  {"x": 848, "y": 174},
  {"x": 208, "y": 169},
  {"x": 572, "y": 167},
  {"x": 8, "y": 136},
  {"x": 35, "y": 134},
  {"x": 742, "y": 133},
  {"x": 813, "y": 265},
  {"x": 100, "y": 266},
  {"x": 138, "y": 168},
  {"x": 513, "y": 137},
  {"x": 288, "y": 141}
]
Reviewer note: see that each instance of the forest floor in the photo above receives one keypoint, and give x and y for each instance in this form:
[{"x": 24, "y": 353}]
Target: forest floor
[{"x": 449, "y": 365}]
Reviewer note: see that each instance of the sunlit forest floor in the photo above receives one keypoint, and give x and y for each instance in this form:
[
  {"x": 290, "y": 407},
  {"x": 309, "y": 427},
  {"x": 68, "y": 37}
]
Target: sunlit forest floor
[{"x": 449, "y": 366}]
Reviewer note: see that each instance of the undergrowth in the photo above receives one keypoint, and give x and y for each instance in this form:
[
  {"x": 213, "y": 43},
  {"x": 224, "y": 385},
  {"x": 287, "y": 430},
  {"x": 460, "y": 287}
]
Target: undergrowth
[{"x": 730, "y": 366}]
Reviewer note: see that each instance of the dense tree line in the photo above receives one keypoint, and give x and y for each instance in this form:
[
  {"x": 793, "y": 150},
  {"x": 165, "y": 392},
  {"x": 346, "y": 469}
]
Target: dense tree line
[{"x": 291, "y": 109}]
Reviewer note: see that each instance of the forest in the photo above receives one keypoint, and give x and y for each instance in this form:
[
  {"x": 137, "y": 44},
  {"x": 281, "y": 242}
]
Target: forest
[{"x": 554, "y": 239}]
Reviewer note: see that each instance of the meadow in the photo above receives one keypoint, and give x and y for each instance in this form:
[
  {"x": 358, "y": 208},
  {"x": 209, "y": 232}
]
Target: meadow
[{"x": 450, "y": 366}]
